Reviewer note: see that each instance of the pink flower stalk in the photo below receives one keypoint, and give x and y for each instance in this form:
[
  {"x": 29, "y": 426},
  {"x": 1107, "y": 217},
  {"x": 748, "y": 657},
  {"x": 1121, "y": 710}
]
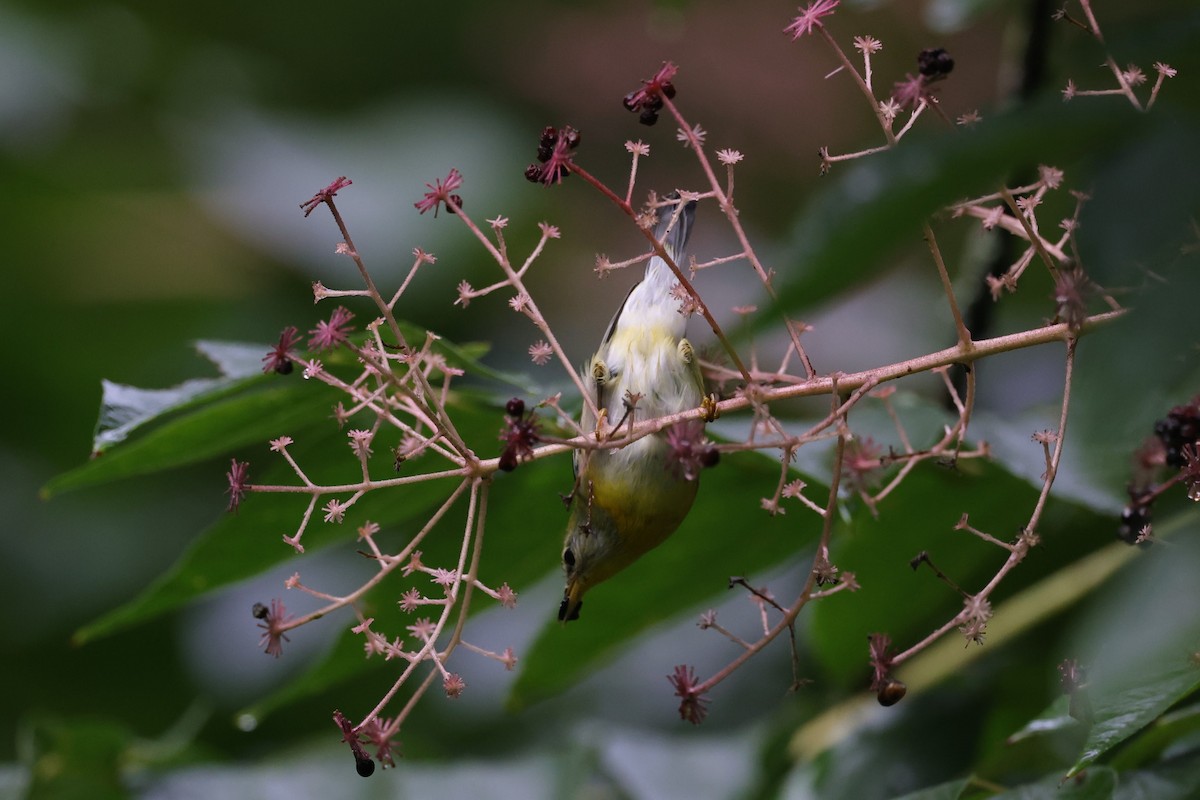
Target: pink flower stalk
[
  {"x": 441, "y": 191},
  {"x": 810, "y": 18},
  {"x": 332, "y": 333},
  {"x": 238, "y": 476},
  {"x": 326, "y": 195},
  {"x": 273, "y": 620},
  {"x": 279, "y": 358},
  {"x": 694, "y": 705}
]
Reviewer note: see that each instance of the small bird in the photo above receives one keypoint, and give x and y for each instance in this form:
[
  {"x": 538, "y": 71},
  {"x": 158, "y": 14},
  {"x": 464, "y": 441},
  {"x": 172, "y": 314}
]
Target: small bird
[{"x": 627, "y": 501}]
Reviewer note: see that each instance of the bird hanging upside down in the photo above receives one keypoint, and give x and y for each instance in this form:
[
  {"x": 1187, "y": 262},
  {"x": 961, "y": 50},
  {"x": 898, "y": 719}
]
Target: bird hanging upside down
[{"x": 628, "y": 500}]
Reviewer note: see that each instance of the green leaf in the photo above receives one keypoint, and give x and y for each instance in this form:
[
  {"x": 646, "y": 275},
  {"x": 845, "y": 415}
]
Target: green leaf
[
  {"x": 726, "y": 534},
  {"x": 1123, "y": 713},
  {"x": 248, "y": 542},
  {"x": 123, "y": 409},
  {"x": 206, "y": 417},
  {"x": 1164, "y": 732},
  {"x": 1055, "y": 718},
  {"x": 205, "y": 433}
]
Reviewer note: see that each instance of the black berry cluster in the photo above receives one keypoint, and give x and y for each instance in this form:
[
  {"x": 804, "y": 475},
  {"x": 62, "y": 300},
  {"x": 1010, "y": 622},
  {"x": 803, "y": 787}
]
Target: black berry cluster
[
  {"x": 648, "y": 105},
  {"x": 647, "y": 101},
  {"x": 1180, "y": 428},
  {"x": 554, "y": 154},
  {"x": 1176, "y": 444}
]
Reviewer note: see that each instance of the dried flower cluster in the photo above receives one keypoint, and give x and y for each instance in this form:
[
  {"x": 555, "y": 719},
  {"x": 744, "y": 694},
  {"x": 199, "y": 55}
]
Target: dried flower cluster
[{"x": 396, "y": 399}]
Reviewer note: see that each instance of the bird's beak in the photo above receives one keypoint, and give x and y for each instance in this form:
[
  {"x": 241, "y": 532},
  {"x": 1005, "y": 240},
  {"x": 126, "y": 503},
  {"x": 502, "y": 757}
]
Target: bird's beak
[{"x": 571, "y": 603}]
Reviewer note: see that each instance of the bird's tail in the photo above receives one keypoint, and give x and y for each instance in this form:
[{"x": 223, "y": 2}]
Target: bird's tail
[{"x": 675, "y": 226}]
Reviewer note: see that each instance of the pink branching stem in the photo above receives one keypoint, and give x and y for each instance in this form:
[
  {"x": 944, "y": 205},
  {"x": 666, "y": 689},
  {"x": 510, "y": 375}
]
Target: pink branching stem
[
  {"x": 444, "y": 423},
  {"x": 863, "y": 88},
  {"x": 412, "y": 272},
  {"x": 725, "y": 202},
  {"x": 1028, "y": 539},
  {"x": 964, "y": 335},
  {"x": 514, "y": 280},
  {"x": 805, "y": 595},
  {"x": 1039, "y": 244},
  {"x": 1094, "y": 26},
  {"x": 364, "y": 486},
  {"x": 428, "y": 650},
  {"x": 387, "y": 564}
]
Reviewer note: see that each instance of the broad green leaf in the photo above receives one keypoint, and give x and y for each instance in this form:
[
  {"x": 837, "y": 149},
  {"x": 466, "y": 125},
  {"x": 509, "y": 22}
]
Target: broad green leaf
[
  {"x": 248, "y": 542},
  {"x": 205, "y": 417},
  {"x": 123, "y": 409},
  {"x": 726, "y": 534},
  {"x": 1055, "y": 718},
  {"x": 1162, "y": 733},
  {"x": 206, "y": 432},
  {"x": 1127, "y": 711}
]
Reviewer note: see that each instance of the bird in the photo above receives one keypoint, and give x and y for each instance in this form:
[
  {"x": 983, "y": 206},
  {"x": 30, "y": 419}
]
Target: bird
[{"x": 628, "y": 500}]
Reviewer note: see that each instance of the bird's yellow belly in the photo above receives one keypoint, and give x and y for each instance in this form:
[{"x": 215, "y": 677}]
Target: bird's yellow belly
[{"x": 637, "y": 490}]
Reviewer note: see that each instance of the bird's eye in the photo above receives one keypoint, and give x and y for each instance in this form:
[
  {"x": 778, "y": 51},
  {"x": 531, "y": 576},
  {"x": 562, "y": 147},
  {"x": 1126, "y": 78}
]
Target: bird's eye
[{"x": 569, "y": 558}]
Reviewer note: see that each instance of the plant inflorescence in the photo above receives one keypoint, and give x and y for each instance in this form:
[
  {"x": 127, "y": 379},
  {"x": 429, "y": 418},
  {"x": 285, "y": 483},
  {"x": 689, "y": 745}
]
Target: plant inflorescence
[{"x": 397, "y": 390}]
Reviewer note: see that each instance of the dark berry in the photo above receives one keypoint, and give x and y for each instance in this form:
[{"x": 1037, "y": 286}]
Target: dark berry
[
  {"x": 259, "y": 611},
  {"x": 648, "y": 116},
  {"x": 364, "y": 766},
  {"x": 508, "y": 460},
  {"x": 891, "y": 692},
  {"x": 284, "y": 367},
  {"x": 515, "y": 407},
  {"x": 533, "y": 173},
  {"x": 934, "y": 62}
]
